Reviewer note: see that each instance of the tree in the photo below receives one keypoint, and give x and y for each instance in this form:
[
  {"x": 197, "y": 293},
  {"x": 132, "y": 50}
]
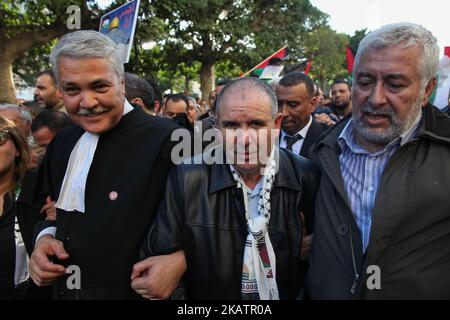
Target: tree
[
  {"x": 26, "y": 24},
  {"x": 353, "y": 41},
  {"x": 326, "y": 49},
  {"x": 239, "y": 31}
]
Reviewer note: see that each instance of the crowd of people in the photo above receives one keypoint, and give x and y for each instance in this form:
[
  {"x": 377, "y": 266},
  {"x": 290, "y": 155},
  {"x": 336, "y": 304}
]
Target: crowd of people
[{"x": 297, "y": 194}]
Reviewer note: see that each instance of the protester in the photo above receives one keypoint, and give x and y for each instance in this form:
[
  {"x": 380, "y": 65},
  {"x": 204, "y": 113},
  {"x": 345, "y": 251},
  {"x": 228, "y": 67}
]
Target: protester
[
  {"x": 382, "y": 213},
  {"x": 241, "y": 230},
  {"x": 14, "y": 160},
  {"x": 107, "y": 175}
]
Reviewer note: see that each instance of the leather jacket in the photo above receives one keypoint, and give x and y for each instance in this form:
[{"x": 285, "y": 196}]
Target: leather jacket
[{"x": 203, "y": 214}]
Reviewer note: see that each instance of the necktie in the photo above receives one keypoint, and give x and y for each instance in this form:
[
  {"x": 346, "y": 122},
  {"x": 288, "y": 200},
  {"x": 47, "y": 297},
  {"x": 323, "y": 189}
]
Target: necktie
[{"x": 291, "y": 140}]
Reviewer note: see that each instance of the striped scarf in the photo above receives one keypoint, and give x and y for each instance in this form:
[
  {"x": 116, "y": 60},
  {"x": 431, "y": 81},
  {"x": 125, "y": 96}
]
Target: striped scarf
[{"x": 259, "y": 257}]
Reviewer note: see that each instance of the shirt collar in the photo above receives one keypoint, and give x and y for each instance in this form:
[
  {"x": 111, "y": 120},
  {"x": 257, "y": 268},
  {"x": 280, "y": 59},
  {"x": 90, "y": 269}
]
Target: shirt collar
[
  {"x": 127, "y": 107},
  {"x": 347, "y": 137}
]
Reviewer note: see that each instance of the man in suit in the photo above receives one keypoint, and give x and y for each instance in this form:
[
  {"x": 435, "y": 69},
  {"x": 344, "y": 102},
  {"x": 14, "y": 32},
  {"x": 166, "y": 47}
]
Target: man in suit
[
  {"x": 296, "y": 100},
  {"x": 107, "y": 175}
]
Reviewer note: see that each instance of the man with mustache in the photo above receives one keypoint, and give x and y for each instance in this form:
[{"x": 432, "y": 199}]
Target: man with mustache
[
  {"x": 296, "y": 101},
  {"x": 382, "y": 224},
  {"x": 106, "y": 174}
]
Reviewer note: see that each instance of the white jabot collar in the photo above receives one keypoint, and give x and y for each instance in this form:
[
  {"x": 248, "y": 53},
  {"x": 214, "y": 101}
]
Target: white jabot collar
[{"x": 72, "y": 195}]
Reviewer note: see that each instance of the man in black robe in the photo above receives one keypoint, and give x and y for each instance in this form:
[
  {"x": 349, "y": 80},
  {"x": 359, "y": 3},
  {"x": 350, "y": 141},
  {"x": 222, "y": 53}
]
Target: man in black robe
[{"x": 107, "y": 175}]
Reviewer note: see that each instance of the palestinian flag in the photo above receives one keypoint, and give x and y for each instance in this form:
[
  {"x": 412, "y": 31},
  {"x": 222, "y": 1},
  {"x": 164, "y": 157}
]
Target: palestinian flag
[
  {"x": 350, "y": 60},
  {"x": 440, "y": 96},
  {"x": 258, "y": 69},
  {"x": 308, "y": 66}
]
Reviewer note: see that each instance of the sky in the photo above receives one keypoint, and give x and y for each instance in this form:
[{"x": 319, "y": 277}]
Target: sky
[{"x": 346, "y": 16}]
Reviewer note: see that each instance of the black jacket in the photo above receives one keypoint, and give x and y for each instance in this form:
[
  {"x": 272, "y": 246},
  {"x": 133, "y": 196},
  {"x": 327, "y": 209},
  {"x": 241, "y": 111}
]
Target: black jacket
[
  {"x": 314, "y": 132},
  {"x": 133, "y": 160},
  {"x": 203, "y": 214},
  {"x": 410, "y": 234}
]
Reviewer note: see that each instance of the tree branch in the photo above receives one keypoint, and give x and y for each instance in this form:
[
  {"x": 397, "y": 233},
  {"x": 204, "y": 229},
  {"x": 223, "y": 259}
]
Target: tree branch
[{"x": 14, "y": 47}]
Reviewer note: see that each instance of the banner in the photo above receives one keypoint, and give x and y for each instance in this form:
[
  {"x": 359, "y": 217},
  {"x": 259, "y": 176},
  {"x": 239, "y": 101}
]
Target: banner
[{"x": 120, "y": 24}]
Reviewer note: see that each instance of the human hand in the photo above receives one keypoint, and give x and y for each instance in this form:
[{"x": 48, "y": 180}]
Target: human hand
[
  {"x": 42, "y": 270},
  {"x": 49, "y": 209},
  {"x": 157, "y": 277}
]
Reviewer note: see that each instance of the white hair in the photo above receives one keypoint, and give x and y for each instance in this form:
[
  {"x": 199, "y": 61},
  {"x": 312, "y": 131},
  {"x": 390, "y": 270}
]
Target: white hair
[
  {"x": 404, "y": 35},
  {"x": 24, "y": 114},
  {"x": 87, "y": 44}
]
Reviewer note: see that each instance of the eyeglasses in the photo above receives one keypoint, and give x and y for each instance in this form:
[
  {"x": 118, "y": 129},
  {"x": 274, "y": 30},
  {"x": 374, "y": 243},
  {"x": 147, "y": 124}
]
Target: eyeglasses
[{"x": 4, "y": 135}]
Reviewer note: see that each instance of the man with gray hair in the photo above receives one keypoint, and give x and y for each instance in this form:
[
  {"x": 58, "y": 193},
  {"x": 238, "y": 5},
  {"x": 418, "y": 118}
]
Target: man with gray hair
[
  {"x": 241, "y": 230},
  {"x": 106, "y": 174},
  {"x": 382, "y": 224},
  {"x": 21, "y": 118}
]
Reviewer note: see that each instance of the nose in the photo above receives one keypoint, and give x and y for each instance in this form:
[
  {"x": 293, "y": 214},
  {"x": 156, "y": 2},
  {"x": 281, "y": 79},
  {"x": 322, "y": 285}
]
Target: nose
[
  {"x": 282, "y": 106},
  {"x": 88, "y": 101},
  {"x": 36, "y": 92},
  {"x": 377, "y": 96}
]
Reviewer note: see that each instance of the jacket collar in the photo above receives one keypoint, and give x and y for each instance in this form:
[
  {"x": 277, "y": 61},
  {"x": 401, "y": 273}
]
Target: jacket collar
[
  {"x": 436, "y": 125},
  {"x": 221, "y": 177}
]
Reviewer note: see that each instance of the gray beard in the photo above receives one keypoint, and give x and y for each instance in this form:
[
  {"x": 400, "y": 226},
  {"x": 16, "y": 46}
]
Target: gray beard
[{"x": 397, "y": 128}]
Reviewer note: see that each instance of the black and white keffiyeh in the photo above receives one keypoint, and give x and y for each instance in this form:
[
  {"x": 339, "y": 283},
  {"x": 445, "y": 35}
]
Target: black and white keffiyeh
[{"x": 259, "y": 256}]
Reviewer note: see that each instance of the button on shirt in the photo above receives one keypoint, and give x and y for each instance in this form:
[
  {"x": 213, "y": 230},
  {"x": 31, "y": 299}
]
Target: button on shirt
[
  {"x": 361, "y": 172},
  {"x": 296, "y": 147}
]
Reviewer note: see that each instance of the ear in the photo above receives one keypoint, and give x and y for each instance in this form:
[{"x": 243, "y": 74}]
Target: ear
[
  {"x": 58, "y": 93},
  {"x": 156, "y": 108},
  {"x": 122, "y": 86},
  {"x": 428, "y": 91},
  {"x": 139, "y": 102},
  {"x": 278, "y": 120},
  {"x": 312, "y": 104}
]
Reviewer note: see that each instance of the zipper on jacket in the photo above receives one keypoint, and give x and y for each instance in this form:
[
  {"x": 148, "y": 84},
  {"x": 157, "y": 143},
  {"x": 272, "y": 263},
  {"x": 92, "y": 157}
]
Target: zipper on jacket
[{"x": 352, "y": 249}]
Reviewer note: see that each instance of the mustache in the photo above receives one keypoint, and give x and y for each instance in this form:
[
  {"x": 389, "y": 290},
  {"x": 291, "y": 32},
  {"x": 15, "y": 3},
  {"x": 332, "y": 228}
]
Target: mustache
[
  {"x": 385, "y": 111},
  {"x": 92, "y": 111}
]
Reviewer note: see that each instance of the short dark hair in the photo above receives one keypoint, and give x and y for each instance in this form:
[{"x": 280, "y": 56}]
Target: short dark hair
[
  {"x": 156, "y": 90},
  {"x": 50, "y": 74},
  {"x": 137, "y": 87},
  {"x": 295, "y": 78},
  {"x": 342, "y": 81},
  {"x": 54, "y": 120},
  {"x": 175, "y": 97}
]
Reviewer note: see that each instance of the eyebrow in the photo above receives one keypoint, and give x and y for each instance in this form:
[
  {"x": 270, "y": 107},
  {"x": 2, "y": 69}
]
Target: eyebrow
[
  {"x": 364, "y": 74},
  {"x": 228, "y": 122},
  {"x": 392, "y": 76},
  {"x": 93, "y": 83}
]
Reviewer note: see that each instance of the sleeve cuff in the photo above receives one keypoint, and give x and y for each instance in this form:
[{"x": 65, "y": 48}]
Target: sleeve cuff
[{"x": 50, "y": 230}]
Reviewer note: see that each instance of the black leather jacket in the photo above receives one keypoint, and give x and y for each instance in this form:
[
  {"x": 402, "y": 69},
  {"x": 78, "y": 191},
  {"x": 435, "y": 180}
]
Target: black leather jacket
[{"x": 203, "y": 214}]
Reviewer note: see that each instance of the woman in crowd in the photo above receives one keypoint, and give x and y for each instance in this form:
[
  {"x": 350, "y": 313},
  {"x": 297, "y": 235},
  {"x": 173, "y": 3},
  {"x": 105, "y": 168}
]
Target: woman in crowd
[{"x": 14, "y": 162}]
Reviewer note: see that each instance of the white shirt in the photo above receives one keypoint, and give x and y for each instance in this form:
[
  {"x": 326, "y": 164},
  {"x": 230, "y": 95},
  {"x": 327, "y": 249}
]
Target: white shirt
[{"x": 297, "y": 146}]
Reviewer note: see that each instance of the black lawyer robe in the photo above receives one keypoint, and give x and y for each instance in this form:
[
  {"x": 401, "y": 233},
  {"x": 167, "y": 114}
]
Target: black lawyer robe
[{"x": 125, "y": 183}]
